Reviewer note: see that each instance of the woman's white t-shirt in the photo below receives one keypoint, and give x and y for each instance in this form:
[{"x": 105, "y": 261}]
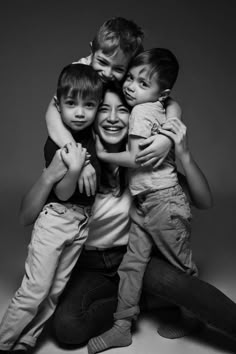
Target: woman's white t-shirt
[{"x": 109, "y": 224}]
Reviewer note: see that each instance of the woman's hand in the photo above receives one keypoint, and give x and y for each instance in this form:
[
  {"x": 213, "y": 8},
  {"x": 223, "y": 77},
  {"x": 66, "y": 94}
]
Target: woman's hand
[
  {"x": 177, "y": 131},
  {"x": 57, "y": 168},
  {"x": 154, "y": 150},
  {"x": 35, "y": 199}
]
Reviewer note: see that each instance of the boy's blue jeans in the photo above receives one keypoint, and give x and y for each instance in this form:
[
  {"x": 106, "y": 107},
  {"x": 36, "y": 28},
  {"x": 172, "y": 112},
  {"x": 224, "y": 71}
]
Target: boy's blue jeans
[{"x": 89, "y": 301}]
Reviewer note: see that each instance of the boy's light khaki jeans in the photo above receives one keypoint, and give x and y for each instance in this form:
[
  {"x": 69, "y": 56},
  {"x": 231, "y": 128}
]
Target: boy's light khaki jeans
[
  {"x": 160, "y": 218},
  {"x": 57, "y": 239}
]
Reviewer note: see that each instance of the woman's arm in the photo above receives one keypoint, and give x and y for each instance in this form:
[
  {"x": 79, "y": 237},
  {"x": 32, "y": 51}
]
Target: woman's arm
[
  {"x": 197, "y": 183},
  {"x": 33, "y": 202},
  {"x": 198, "y": 186},
  {"x": 56, "y": 129}
]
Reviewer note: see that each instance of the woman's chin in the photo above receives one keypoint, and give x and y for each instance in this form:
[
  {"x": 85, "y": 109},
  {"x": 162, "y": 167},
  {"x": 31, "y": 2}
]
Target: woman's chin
[{"x": 112, "y": 138}]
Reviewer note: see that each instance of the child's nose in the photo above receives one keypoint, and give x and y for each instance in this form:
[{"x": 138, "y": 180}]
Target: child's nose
[
  {"x": 130, "y": 86},
  {"x": 79, "y": 112},
  {"x": 108, "y": 73}
]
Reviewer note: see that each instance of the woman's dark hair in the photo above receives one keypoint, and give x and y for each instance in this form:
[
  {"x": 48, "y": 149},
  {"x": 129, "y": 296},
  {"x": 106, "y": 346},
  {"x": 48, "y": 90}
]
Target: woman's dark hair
[{"x": 109, "y": 180}]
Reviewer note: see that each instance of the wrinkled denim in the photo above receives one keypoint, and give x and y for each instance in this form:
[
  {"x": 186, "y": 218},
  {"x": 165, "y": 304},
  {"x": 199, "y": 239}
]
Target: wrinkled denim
[{"x": 89, "y": 301}]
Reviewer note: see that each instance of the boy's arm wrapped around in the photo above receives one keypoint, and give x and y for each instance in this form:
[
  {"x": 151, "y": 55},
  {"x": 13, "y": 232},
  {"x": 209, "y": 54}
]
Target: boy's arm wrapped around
[{"x": 56, "y": 128}]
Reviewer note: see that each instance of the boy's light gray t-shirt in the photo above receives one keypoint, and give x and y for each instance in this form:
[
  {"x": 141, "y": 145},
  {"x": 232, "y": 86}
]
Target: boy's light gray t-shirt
[
  {"x": 86, "y": 61},
  {"x": 144, "y": 121}
]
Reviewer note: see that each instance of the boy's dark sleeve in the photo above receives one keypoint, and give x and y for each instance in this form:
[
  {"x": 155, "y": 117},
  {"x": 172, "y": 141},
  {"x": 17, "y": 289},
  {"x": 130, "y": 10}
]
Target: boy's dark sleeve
[{"x": 50, "y": 149}]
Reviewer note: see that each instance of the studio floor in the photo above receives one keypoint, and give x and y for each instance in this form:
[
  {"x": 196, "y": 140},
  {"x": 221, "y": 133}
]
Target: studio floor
[{"x": 214, "y": 247}]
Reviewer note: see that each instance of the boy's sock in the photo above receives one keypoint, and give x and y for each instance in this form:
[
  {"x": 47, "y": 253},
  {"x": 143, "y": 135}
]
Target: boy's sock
[
  {"x": 118, "y": 336},
  {"x": 180, "y": 325}
]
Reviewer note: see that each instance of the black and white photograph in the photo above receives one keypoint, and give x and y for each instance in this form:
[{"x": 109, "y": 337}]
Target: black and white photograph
[{"x": 118, "y": 178}]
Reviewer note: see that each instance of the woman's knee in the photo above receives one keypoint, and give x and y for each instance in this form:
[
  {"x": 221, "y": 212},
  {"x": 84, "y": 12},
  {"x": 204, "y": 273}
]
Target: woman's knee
[
  {"x": 69, "y": 329},
  {"x": 78, "y": 328},
  {"x": 161, "y": 277}
]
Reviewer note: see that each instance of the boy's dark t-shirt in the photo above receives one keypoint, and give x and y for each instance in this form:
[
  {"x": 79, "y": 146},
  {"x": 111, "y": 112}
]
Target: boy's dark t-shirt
[{"x": 85, "y": 138}]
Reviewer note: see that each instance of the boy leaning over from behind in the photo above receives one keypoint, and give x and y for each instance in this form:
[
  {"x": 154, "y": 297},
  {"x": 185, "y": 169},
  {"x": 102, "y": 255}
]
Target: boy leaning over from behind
[
  {"x": 115, "y": 44},
  {"x": 117, "y": 41},
  {"x": 160, "y": 214},
  {"x": 58, "y": 233}
]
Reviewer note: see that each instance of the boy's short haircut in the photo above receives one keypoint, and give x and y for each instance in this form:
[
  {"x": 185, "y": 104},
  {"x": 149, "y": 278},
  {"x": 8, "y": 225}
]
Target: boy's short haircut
[
  {"x": 119, "y": 33},
  {"x": 79, "y": 79},
  {"x": 161, "y": 62}
]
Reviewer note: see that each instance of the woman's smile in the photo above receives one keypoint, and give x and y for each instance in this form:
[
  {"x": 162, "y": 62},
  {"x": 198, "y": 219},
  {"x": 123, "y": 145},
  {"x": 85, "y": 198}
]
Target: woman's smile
[{"x": 112, "y": 120}]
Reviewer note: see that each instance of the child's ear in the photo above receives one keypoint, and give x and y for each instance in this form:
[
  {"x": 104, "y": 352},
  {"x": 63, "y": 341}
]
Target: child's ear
[
  {"x": 164, "y": 95},
  {"x": 91, "y": 46},
  {"x": 56, "y": 101}
]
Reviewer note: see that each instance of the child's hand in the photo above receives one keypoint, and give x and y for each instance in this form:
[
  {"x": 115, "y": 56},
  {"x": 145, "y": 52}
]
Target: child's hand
[
  {"x": 73, "y": 155},
  {"x": 155, "y": 149},
  {"x": 99, "y": 147},
  {"x": 87, "y": 158},
  {"x": 87, "y": 180},
  {"x": 177, "y": 131},
  {"x": 57, "y": 168}
]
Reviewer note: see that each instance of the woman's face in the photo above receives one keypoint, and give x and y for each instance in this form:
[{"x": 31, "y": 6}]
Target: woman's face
[{"x": 112, "y": 120}]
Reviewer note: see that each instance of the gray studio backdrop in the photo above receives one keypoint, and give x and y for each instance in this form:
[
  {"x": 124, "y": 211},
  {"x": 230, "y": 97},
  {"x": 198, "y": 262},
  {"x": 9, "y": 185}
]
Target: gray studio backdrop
[{"x": 39, "y": 37}]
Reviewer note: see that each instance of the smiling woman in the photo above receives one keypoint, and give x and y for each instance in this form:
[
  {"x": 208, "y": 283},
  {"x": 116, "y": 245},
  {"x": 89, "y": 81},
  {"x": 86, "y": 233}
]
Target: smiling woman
[{"x": 112, "y": 119}]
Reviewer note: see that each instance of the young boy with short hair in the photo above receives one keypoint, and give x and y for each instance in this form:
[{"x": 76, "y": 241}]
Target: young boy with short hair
[
  {"x": 160, "y": 214},
  {"x": 58, "y": 234}
]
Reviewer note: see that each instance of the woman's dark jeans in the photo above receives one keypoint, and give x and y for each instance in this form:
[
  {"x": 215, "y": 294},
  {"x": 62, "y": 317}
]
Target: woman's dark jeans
[{"x": 87, "y": 305}]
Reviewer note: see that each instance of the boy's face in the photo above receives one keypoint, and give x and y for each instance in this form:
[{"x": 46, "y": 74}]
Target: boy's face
[
  {"x": 110, "y": 67},
  {"x": 139, "y": 87},
  {"x": 78, "y": 113}
]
